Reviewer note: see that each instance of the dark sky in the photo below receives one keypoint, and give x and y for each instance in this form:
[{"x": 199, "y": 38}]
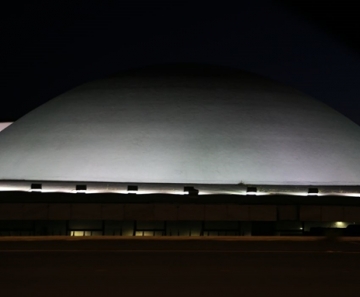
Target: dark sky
[{"x": 48, "y": 47}]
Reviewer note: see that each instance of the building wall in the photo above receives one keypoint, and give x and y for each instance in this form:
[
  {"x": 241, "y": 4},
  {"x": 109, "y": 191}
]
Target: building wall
[
  {"x": 156, "y": 219},
  {"x": 176, "y": 212}
]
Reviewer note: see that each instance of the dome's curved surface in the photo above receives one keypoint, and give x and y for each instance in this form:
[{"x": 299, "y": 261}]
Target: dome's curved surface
[{"x": 208, "y": 127}]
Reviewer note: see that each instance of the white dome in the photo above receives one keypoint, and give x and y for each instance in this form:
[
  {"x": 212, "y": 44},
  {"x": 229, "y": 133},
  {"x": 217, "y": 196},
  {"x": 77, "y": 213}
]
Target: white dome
[
  {"x": 210, "y": 127},
  {"x": 4, "y": 125}
]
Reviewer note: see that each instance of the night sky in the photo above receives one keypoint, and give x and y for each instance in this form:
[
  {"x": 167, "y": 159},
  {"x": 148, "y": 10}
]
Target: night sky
[{"x": 49, "y": 47}]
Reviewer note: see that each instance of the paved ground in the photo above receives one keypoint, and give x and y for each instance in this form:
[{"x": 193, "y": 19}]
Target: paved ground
[{"x": 179, "y": 268}]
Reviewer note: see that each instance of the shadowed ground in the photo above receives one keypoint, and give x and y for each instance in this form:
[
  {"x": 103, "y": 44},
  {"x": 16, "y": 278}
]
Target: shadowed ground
[{"x": 157, "y": 267}]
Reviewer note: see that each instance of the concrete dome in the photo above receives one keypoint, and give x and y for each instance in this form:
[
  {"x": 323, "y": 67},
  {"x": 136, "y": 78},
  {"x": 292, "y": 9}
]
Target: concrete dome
[
  {"x": 4, "y": 125},
  {"x": 204, "y": 126}
]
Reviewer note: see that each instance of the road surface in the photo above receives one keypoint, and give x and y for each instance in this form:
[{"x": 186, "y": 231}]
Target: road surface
[{"x": 179, "y": 268}]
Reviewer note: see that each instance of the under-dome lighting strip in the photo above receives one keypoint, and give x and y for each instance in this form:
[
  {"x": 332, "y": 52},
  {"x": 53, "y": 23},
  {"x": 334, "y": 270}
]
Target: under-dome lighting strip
[
  {"x": 350, "y": 194},
  {"x": 177, "y": 189}
]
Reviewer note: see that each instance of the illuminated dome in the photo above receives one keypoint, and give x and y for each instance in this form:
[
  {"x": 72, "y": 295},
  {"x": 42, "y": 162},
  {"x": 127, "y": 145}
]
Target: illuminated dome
[{"x": 183, "y": 125}]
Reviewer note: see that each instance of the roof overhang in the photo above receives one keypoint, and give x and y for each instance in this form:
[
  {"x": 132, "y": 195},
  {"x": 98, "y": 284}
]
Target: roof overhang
[{"x": 176, "y": 189}]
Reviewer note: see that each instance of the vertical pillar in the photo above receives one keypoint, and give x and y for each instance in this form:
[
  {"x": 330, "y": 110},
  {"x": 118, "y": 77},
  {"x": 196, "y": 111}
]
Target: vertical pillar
[{"x": 245, "y": 228}]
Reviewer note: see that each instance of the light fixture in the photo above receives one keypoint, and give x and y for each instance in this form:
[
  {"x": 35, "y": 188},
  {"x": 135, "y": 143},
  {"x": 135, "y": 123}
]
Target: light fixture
[
  {"x": 191, "y": 190},
  {"x": 251, "y": 191},
  {"x": 313, "y": 191},
  {"x": 36, "y": 187},
  {"x": 132, "y": 189},
  {"x": 81, "y": 188},
  {"x": 340, "y": 224}
]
